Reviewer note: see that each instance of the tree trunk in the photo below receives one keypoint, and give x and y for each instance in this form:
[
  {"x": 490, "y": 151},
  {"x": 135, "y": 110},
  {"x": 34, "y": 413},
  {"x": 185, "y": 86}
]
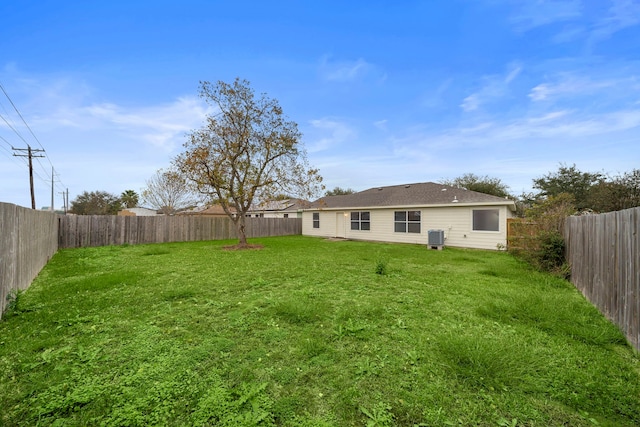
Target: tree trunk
[{"x": 242, "y": 236}]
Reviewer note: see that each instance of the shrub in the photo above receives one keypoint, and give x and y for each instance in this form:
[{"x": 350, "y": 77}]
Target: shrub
[
  {"x": 539, "y": 239},
  {"x": 14, "y": 306},
  {"x": 550, "y": 255},
  {"x": 381, "y": 267}
]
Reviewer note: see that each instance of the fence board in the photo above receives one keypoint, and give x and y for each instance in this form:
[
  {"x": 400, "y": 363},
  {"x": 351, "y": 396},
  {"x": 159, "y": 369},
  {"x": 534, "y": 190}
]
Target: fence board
[
  {"x": 102, "y": 230},
  {"x": 28, "y": 238},
  {"x": 602, "y": 251}
]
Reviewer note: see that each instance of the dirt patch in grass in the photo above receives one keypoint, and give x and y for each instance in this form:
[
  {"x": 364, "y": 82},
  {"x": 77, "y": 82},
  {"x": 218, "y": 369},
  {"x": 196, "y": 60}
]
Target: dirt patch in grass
[{"x": 243, "y": 247}]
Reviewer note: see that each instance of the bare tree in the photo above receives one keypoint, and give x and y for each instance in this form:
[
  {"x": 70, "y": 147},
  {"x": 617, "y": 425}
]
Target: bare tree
[
  {"x": 247, "y": 151},
  {"x": 168, "y": 192}
]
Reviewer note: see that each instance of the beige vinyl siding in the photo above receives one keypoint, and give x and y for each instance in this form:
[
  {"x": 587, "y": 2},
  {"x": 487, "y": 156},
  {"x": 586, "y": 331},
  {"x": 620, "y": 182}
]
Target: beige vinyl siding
[
  {"x": 327, "y": 224},
  {"x": 382, "y": 226},
  {"x": 457, "y": 223}
]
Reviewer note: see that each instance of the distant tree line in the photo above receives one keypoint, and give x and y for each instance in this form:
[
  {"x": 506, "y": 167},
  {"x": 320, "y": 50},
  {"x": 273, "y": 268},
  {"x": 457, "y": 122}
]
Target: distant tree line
[
  {"x": 102, "y": 202},
  {"x": 168, "y": 192},
  {"x": 584, "y": 191}
]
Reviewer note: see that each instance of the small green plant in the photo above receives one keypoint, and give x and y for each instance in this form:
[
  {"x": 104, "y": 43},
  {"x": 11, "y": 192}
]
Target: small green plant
[
  {"x": 503, "y": 422},
  {"x": 381, "y": 267},
  {"x": 259, "y": 282},
  {"x": 351, "y": 328},
  {"x": 378, "y": 416},
  {"x": 156, "y": 250},
  {"x": 367, "y": 367},
  {"x": 13, "y": 302}
]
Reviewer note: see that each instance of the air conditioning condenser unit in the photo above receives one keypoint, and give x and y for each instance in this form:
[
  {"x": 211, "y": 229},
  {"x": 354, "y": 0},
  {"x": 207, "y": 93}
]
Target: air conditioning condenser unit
[{"x": 435, "y": 239}]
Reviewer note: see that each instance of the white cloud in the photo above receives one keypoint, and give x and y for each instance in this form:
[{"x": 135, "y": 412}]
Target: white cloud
[
  {"x": 540, "y": 92},
  {"x": 570, "y": 33},
  {"x": 565, "y": 126},
  {"x": 94, "y": 143},
  {"x": 532, "y": 14},
  {"x": 549, "y": 116},
  {"x": 588, "y": 20},
  {"x": 162, "y": 126},
  {"x": 349, "y": 71},
  {"x": 327, "y": 133},
  {"x": 437, "y": 98},
  {"x": 381, "y": 124},
  {"x": 470, "y": 103},
  {"x": 345, "y": 71},
  {"x": 493, "y": 87},
  {"x": 569, "y": 84},
  {"x": 515, "y": 150},
  {"x": 515, "y": 70},
  {"x": 67, "y": 105},
  {"x": 621, "y": 14}
]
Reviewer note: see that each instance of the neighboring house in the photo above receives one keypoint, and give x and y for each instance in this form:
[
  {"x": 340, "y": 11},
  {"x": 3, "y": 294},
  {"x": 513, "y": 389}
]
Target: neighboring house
[
  {"x": 286, "y": 208},
  {"x": 208, "y": 211},
  {"x": 405, "y": 214},
  {"x": 138, "y": 212}
]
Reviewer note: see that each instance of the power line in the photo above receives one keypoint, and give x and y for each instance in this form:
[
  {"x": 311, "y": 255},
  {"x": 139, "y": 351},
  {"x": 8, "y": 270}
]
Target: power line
[
  {"x": 24, "y": 162},
  {"x": 22, "y": 118},
  {"x": 13, "y": 129},
  {"x": 29, "y": 150}
]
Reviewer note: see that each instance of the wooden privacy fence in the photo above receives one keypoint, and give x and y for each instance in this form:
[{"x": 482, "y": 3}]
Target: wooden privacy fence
[
  {"x": 522, "y": 234},
  {"x": 28, "y": 238},
  {"x": 602, "y": 251},
  {"x": 102, "y": 230}
]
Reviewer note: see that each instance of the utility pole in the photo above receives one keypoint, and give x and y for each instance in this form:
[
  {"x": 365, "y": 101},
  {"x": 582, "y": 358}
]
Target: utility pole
[
  {"x": 30, "y": 155},
  {"x": 52, "y": 174},
  {"x": 65, "y": 200}
]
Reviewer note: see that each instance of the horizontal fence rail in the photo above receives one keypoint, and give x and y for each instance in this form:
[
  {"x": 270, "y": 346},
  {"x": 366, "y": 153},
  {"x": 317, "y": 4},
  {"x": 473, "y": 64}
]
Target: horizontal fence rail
[
  {"x": 602, "y": 251},
  {"x": 103, "y": 230},
  {"x": 28, "y": 239}
]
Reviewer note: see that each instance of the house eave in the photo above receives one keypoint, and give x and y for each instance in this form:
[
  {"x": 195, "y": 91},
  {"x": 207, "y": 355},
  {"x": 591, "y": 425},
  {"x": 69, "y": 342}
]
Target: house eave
[{"x": 509, "y": 204}]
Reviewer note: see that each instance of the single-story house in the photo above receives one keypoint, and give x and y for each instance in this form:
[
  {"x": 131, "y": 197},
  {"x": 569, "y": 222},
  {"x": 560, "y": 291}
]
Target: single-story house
[
  {"x": 215, "y": 211},
  {"x": 406, "y": 213},
  {"x": 286, "y": 208},
  {"x": 138, "y": 212}
]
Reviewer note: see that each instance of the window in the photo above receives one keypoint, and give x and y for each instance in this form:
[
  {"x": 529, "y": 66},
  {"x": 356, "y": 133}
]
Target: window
[
  {"x": 286, "y": 215},
  {"x": 316, "y": 220},
  {"x": 486, "y": 220},
  {"x": 407, "y": 221},
  {"x": 360, "y": 221}
]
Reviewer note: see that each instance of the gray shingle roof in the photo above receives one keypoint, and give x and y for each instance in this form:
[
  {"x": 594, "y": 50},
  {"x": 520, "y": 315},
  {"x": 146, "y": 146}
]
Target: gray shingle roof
[
  {"x": 292, "y": 204},
  {"x": 425, "y": 193}
]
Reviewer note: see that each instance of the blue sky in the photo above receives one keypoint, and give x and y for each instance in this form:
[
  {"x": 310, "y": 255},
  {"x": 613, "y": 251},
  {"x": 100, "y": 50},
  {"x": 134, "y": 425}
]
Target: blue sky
[{"x": 384, "y": 92}]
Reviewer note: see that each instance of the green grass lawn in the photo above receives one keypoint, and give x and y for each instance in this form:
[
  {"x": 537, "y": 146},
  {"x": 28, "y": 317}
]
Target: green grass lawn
[{"x": 309, "y": 332}]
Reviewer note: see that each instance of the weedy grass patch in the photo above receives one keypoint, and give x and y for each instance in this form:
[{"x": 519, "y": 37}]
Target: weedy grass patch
[{"x": 309, "y": 332}]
